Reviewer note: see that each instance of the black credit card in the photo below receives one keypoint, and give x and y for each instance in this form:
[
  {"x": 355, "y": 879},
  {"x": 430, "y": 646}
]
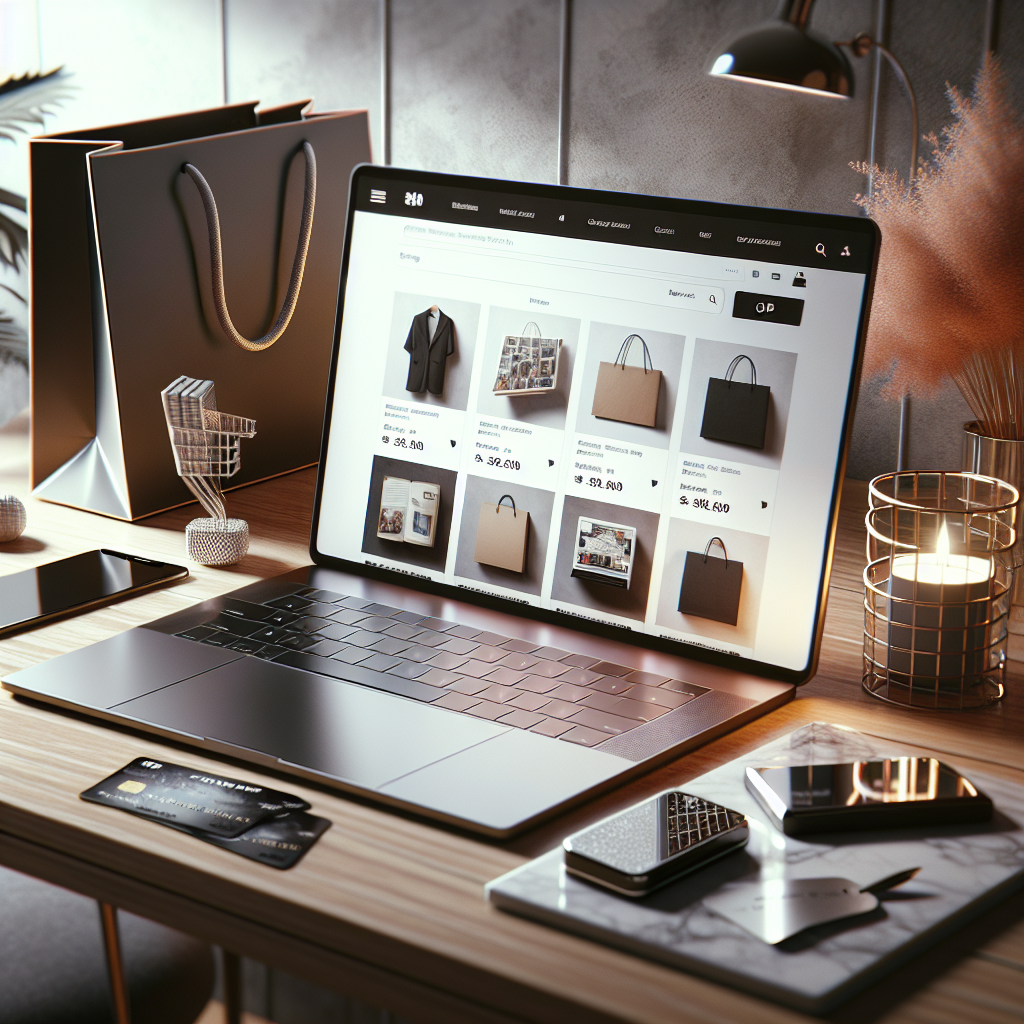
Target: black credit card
[
  {"x": 279, "y": 842},
  {"x": 185, "y": 797}
]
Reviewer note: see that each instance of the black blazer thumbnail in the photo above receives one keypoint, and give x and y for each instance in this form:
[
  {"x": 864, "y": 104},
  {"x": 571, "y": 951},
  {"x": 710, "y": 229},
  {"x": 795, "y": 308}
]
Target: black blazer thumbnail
[{"x": 426, "y": 357}]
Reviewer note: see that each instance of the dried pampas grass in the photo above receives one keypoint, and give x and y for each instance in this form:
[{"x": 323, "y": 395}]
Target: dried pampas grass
[{"x": 949, "y": 300}]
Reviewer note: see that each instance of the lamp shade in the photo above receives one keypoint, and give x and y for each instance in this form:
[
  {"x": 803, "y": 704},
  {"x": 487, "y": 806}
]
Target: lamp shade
[{"x": 787, "y": 56}]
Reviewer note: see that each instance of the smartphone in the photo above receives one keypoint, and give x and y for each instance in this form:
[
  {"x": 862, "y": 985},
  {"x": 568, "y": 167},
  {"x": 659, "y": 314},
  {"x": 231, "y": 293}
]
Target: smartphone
[
  {"x": 900, "y": 792},
  {"x": 75, "y": 584},
  {"x": 654, "y": 843}
]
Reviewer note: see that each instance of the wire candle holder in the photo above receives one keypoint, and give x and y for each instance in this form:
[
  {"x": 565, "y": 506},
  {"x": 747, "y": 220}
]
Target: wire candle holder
[{"x": 937, "y": 588}]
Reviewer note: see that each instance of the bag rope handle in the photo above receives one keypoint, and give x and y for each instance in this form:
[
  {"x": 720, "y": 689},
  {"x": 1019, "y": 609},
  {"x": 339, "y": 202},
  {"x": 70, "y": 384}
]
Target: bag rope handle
[
  {"x": 535, "y": 327},
  {"x": 501, "y": 499},
  {"x": 735, "y": 364},
  {"x": 721, "y": 544},
  {"x": 217, "y": 257},
  {"x": 648, "y": 364}
]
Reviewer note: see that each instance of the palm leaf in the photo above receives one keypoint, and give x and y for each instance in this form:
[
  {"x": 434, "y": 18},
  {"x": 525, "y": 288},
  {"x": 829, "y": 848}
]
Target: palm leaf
[
  {"x": 27, "y": 99},
  {"x": 13, "y": 242}
]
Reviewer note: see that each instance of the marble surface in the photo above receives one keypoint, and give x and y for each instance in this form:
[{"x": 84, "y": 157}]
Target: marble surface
[{"x": 963, "y": 870}]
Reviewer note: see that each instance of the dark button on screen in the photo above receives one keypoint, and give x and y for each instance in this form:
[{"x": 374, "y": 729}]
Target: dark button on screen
[{"x": 773, "y": 308}]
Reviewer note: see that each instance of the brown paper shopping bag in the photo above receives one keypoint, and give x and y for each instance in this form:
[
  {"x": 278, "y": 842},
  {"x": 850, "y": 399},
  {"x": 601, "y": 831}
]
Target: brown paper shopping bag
[
  {"x": 502, "y": 535},
  {"x": 628, "y": 394}
]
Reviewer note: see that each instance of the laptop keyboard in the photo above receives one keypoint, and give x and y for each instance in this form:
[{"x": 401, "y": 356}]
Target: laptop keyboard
[{"x": 561, "y": 694}]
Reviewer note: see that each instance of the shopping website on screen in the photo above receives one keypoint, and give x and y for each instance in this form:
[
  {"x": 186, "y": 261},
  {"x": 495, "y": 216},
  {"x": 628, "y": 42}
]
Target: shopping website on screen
[{"x": 605, "y": 425}]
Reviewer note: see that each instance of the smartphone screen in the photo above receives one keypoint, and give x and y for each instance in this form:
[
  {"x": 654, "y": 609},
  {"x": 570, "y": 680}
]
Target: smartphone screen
[{"x": 91, "y": 578}]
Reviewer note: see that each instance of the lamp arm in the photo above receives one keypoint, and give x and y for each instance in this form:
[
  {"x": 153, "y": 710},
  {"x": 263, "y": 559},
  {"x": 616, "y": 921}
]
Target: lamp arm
[{"x": 861, "y": 45}]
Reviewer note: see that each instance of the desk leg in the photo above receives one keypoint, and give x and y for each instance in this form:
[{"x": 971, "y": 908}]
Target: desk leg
[
  {"x": 115, "y": 965},
  {"x": 231, "y": 965}
]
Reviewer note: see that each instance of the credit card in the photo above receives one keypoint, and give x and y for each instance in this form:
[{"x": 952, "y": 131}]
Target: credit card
[
  {"x": 185, "y": 797},
  {"x": 279, "y": 842}
]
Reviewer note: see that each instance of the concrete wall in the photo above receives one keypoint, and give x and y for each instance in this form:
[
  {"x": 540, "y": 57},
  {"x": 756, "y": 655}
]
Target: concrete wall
[{"x": 474, "y": 90}]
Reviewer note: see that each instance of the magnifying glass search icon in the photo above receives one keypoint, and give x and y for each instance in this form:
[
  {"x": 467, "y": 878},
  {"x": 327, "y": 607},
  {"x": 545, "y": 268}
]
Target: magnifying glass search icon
[
  {"x": 820, "y": 249},
  {"x": 714, "y": 300}
]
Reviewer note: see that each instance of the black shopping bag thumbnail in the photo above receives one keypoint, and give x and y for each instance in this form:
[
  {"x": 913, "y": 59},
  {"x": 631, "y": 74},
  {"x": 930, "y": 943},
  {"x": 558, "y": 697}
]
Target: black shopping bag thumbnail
[
  {"x": 711, "y": 586},
  {"x": 734, "y": 411}
]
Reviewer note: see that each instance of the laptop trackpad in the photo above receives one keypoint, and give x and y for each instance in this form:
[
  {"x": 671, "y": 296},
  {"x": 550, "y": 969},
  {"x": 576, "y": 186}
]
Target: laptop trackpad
[{"x": 349, "y": 732}]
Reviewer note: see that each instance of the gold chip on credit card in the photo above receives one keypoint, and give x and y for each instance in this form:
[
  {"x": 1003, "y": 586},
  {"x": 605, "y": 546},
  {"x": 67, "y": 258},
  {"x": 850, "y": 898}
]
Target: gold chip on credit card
[{"x": 132, "y": 787}]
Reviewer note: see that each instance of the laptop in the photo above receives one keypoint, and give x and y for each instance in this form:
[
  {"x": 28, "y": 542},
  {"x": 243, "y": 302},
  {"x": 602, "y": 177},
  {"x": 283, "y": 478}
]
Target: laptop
[{"x": 575, "y": 509}]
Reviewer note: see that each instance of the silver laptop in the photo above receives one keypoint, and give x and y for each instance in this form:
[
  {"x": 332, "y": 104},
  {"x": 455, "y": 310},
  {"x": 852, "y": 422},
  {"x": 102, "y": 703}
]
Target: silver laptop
[{"x": 575, "y": 509}]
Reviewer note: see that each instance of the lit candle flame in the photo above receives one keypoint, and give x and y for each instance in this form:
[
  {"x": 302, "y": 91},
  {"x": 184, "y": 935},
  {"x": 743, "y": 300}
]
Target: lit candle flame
[{"x": 942, "y": 546}]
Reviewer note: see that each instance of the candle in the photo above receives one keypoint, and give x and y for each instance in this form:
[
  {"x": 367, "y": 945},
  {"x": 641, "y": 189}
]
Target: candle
[{"x": 940, "y": 604}]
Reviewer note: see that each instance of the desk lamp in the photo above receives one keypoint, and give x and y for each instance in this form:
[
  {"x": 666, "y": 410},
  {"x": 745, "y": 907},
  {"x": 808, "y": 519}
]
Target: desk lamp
[{"x": 786, "y": 54}]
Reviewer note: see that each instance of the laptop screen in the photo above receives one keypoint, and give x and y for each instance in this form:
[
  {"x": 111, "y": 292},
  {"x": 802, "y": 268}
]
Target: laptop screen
[{"x": 615, "y": 410}]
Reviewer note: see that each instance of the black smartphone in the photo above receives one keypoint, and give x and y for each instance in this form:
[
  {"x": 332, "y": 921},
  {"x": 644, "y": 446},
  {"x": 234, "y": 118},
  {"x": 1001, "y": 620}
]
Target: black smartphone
[
  {"x": 899, "y": 792},
  {"x": 654, "y": 843},
  {"x": 75, "y": 584}
]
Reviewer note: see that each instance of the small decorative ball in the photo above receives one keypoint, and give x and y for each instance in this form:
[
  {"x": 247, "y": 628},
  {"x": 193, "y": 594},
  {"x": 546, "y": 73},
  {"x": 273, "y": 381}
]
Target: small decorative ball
[
  {"x": 12, "y": 518},
  {"x": 217, "y": 541}
]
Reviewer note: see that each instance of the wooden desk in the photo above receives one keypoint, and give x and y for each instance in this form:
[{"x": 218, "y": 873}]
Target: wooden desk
[{"x": 387, "y": 908}]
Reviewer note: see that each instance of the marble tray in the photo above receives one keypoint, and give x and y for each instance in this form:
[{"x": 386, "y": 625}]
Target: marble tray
[{"x": 964, "y": 871}]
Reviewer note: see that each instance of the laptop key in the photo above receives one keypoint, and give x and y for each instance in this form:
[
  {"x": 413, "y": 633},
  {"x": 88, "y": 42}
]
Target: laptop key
[
  {"x": 354, "y": 602},
  {"x": 464, "y": 633},
  {"x": 499, "y": 694},
  {"x": 431, "y": 638},
  {"x": 566, "y": 691},
  {"x": 646, "y": 678},
  {"x": 325, "y": 648},
  {"x": 310, "y": 624},
  {"x": 476, "y": 668},
  {"x": 520, "y": 646},
  {"x": 493, "y": 639},
  {"x": 297, "y": 641},
  {"x": 269, "y": 634},
  {"x": 642, "y": 711},
  {"x": 519, "y": 662},
  {"x": 456, "y": 646},
  {"x": 559, "y": 709},
  {"x": 680, "y": 687},
  {"x": 601, "y": 720},
  {"x": 441, "y": 625},
  {"x": 609, "y": 668},
  {"x": 291, "y": 603},
  {"x": 485, "y": 652},
  {"x": 408, "y": 669},
  {"x": 243, "y": 609},
  {"x": 352, "y": 655},
  {"x": 270, "y": 651},
  {"x": 360, "y": 638},
  {"x": 418, "y": 653},
  {"x": 379, "y": 662},
  {"x": 280, "y": 618},
  {"x": 438, "y": 677},
  {"x": 409, "y": 618},
  {"x": 551, "y": 727},
  {"x": 326, "y": 596},
  {"x": 579, "y": 676},
  {"x": 381, "y": 609},
  {"x": 549, "y": 669},
  {"x": 389, "y": 645},
  {"x": 336, "y": 631},
  {"x": 448, "y": 662},
  {"x": 583, "y": 736},
  {"x": 196, "y": 633},
  {"x": 455, "y": 701},
  {"x": 537, "y": 684},
  {"x": 581, "y": 660},
  {"x": 468, "y": 685},
  {"x": 360, "y": 675},
  {"x": 401, "y": 631},
  {"x": 550, "y": 653},
  {"x": 610, "y": 684},
  {"x": 347, "y": 616},
  {"x": 521, "y": 719},
  {"x": 528, "y": 701},
  {"x": 656, "y": 695},
  {"x": 220, "y": 638},
  {"x": 240, "y": 627},
  {"x": 485, "y": 709},
  {"x": 245, "y": 647},
  {"x": 505, "y": 676},
  {"x": 375, "y": 623}
]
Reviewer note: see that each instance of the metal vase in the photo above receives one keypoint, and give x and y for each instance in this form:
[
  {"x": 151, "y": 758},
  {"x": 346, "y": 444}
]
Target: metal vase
[{"x": 994, "y": 456}]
